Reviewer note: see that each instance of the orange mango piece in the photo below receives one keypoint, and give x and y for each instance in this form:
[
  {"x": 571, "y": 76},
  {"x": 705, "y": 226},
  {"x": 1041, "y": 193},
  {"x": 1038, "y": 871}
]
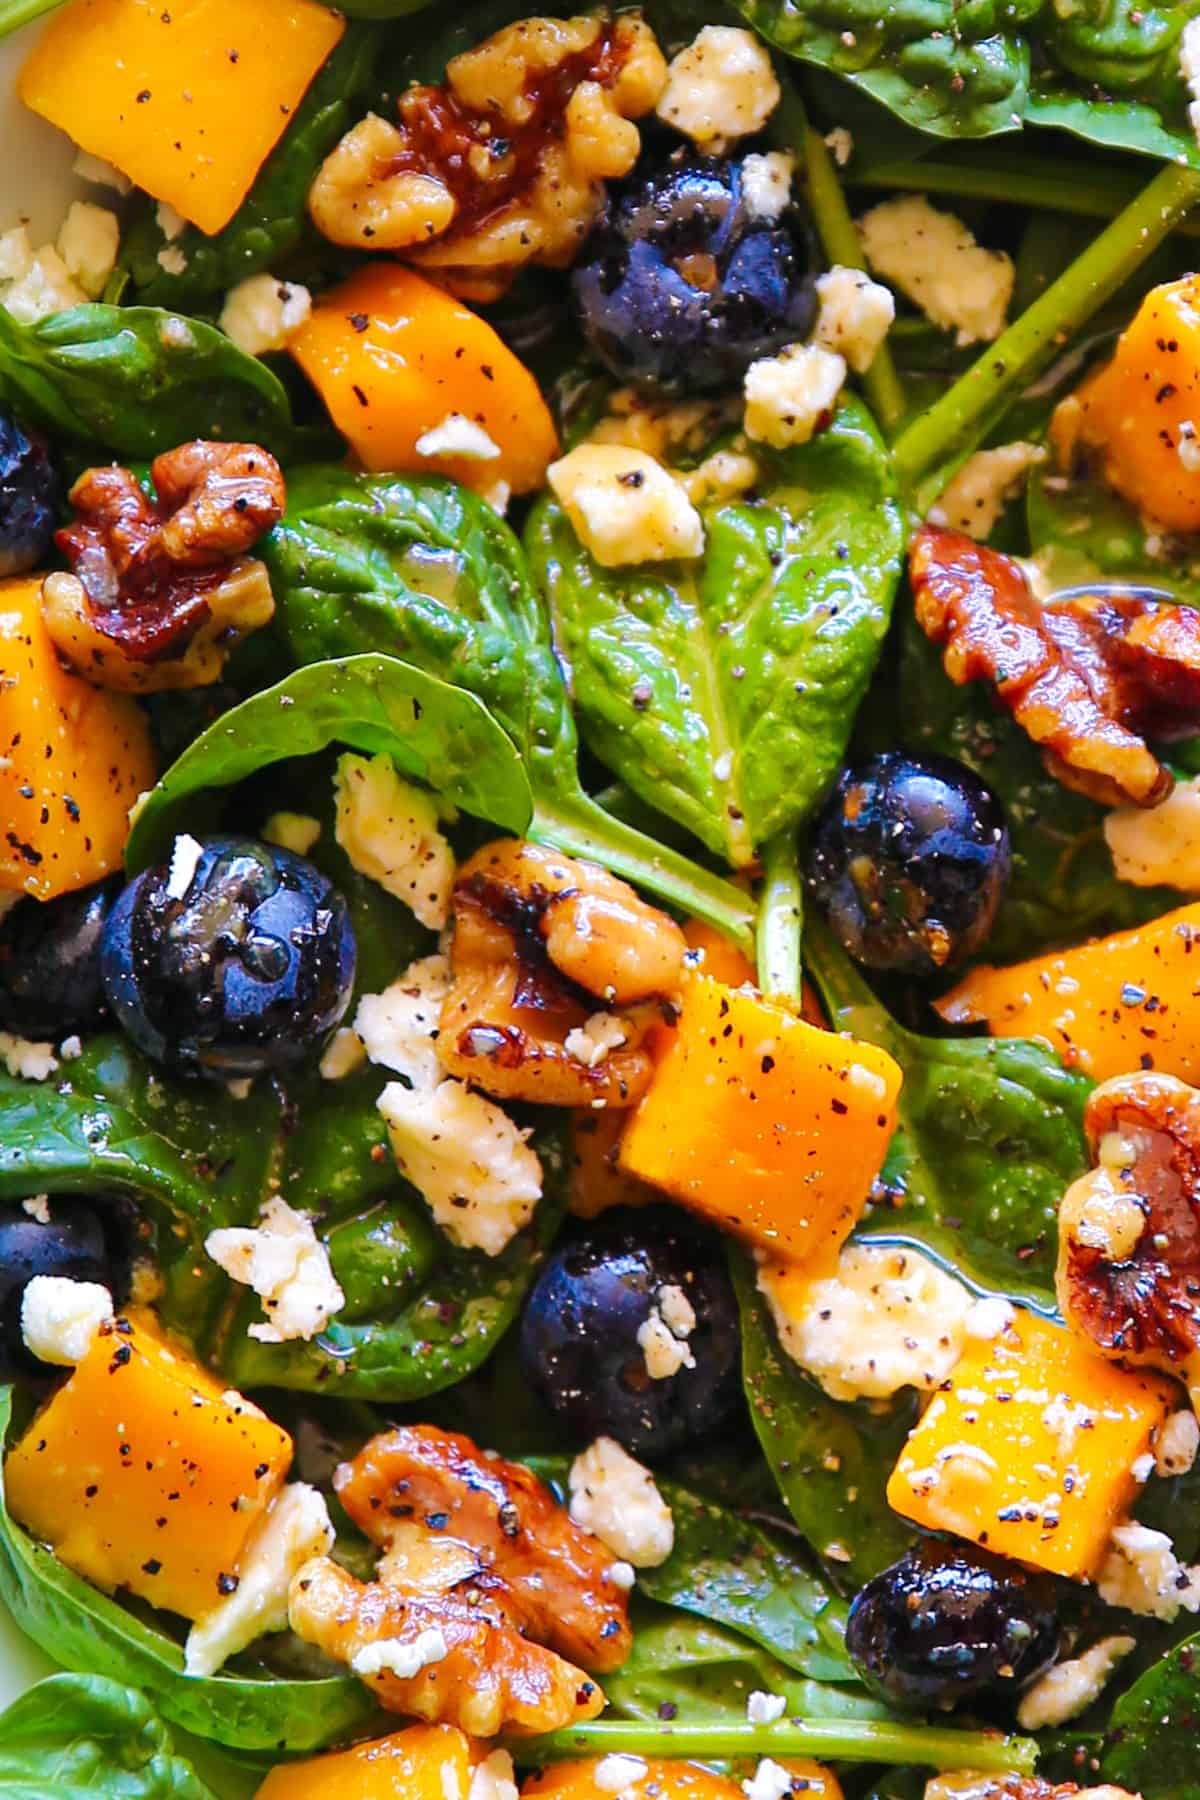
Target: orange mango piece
[
  {"x": 722, "y": 958},
  {"x": 145, "y": 1472},
  {"x": 1111, "y": 1007},
  {"x": 393, "y": 357},
  {"x": 426, "y": 1762},
  {"x": 1029, "y": 1447},
  {"x": 767, "y": 1125},
  {"x": 73, "y": 759},
  {"x": 667, "y": 1780},
  {"x": 595, "y": 1179},
  {"x": 187, "y": 98}
]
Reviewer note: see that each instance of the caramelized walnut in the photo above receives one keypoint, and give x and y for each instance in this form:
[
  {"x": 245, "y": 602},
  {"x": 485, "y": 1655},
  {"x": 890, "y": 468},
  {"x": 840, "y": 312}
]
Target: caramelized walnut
[
  {"x": 1129, "y": 1231},
  {"x": 460, "y": 1661},
  {"x": 965, "y": 1784},
  {"x": 162, "y": 590},
  {"x": 1089, "y": 676},
  {"x": 504, "y": 164},
  {"x": 544, "y": 949}
]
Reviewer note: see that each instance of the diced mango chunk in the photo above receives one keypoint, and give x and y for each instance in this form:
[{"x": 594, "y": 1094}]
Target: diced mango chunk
[
  {"x": 187, "y": 98},
  {"x": 666, "y": 1780},
  {"x": 144, "y": 1472},
  {"x": 1112, "y": 1007},
  {"x": 427, "y": 1762},
  {"x": 772, "y": 1128},
  {"x": 73, "y": 759},
  {"x": 1029, "y": 1448}
]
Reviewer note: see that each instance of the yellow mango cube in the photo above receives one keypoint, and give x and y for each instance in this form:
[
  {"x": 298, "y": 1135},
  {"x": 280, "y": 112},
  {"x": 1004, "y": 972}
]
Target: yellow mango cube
[
  {"x": 187, "y": 97},
  {"x": 426, "y": 1762},
  {"x": 1029, "y": 1448}
]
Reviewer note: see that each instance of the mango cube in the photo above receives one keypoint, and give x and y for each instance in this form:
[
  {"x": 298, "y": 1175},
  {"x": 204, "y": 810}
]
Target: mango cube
[
  {"x": 187, "y": 98},
  {"x": 144, "y": 1472},
  {"x": 1029, "y": 1448},
  {"x": 770, "y": 1127},
  {"x": 427, "y": 1762}
]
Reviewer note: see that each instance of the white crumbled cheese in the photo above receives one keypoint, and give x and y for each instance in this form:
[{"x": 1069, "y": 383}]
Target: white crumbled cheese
[
  {"x": 594, "y": 1041},
  {"x": 856, "y": 315},
  {"x": 45, "y": 288},
  {"x": 663, "y": 1353},
  {"x": 933, "y": 258},
  {"x": 616, "y": 1499},
  {"x": 887, "y": 1319},
  {"x": 1177, "y": 1442},
  {"x": 840, "y": 145},
  {"x": 1142, "y": 1469},
  {"x": 172, "y": 260},
  {"x": 176, "y": 333},
  {"x": 389, "y": 830},
  {"x": 619, "y": 1770},
  {"x": 764, "y": 1709},
  {"x": 1187, "y": 446},
  {"x": 38, "y": 1207},
  {"x": 723, "y": 476},
  {"x": 721, "y": 86},
  {"x": 1069, "y": 1688},
  {"x": 977, "y": 494},
  {"x": 185, "y": 860},
  {"x": 625, "y": 506},
  {"x": 297, "y": 832},
  {"x": 60, "y": 1318},
  {"x": 623, "y": 1575},
  {"x": 1142, "y": 1573},
  {"x": 1158, "y": 845},
  {"x": 457, "y": 435},
  {"x": 399, "y": 1027},
  {"x": 497, "y": 494},
  {"x": 392, "y": 1656},
  {"x": 171, "y": 223},
  {"x": 770, "y": 1781},
  {"x": 71, "y": 1048},
  {"x": 478, "y": 1174},
  {"x": 26, "y": 1060},
  {"x": 792, "y": 395},
  {"x": 1189, "y": 68},
  {"x": 767, "y": 184},
  {"x": 16, "y": 254},
  {"x": 88, "y": 243},
  {"x": 288, "y": 1267},
  {"x": 100, "y": 173},
  {"x": 343, "y": 1054},
  {"x": 261, "y": 313},
  {"x": 494, "y": 1778},
  {"x": 677, "y": 1310},
  {"x": 295, "y": 1527},
  {"x": 989, "y": 1318}
]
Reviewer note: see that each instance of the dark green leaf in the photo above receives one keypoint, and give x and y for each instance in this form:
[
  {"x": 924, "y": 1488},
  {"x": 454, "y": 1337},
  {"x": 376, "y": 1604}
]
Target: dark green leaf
[
  {"x": 117, "y": 378},
  {"x": 749, "y": 665},
  {"x": 82, "y": 1734},
  {"x": 1151, "y": 1740},
  {"x": 440, "y": 735}
]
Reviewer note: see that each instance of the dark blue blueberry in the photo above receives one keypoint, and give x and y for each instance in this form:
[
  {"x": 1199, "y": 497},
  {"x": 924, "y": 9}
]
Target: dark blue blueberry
[
  {"x": 949, "y": 1623},
  {"x": 681, "y": 287},
  {"x": 30, "y": 496},
  {"x": 579, "y": 1332},
  {"x": 910, "y": 859},
  {"x": 239, "y": 965},
  {"x": 50, "y": 983},
  {"x": 80, "y": 1239}
]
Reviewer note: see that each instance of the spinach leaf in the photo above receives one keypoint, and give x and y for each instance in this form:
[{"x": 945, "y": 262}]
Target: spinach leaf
[
  {"x": 90, "y": 1631},
  {"x": 723, "y": 692},
  {"x": 440, "y": 735},
  {"x": 82, "y": 1734},
  {"x": 272, "y": 221},
  {"x": 1151, "y": 1738},
  {"x": 133, "y": 380}
]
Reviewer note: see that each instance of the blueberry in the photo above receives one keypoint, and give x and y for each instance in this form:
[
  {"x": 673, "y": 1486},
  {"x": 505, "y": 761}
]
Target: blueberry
[
  {"x": 910, "y": 859},
  {"x": 30, "y": 496},
  {"x": 949, "y": 1623},
  {"x": 238, "y": 965},
  {"x": 60, "y": 1235},
  {"x": 50, "y": 983},
  {"x": 579, "y": 1333},
  {"x": 682, "y": 286}
]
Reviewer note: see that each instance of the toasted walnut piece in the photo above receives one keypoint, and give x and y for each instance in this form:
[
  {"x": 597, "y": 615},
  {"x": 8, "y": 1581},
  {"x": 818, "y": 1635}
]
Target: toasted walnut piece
[
  {"x": 486, "y": 1677},
  {"x": 966, "y": 1784},
  {"x": 1129, "y": 1231},
  {"x": 162, "y": 590},
  {"x": 552, "y": 1579},
  {"x": 538, "y": 939},
  {"x": 364, "y": 198},
  {"x": 1089, "y": 676}
]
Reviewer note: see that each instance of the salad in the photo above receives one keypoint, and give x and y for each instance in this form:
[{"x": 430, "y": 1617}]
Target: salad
[{"x": 600, "y": 903}]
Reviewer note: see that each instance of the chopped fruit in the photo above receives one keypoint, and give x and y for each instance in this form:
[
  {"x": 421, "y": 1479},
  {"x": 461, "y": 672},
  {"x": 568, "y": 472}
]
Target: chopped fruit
[
  {"x": 426, "y": 1762},
  {"x": 654, "y": 1778}
]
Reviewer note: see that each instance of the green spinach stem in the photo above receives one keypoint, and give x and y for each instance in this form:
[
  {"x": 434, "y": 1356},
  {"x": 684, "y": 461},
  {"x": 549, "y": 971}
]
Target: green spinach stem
[
  {"x": 842, "y": 1740},
  {"x": 574, "y": 824},
  {"x": 957, "y": 423},
  {"x": 780, "y": 919},
  {"x": 15, "y": 13}
]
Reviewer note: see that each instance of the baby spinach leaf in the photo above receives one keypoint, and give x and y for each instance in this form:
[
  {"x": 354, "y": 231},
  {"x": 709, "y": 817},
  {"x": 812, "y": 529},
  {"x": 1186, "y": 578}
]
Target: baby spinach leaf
[
  {"x": 1151, "y": 1738},
  {"x": 90, "y": 1631},
  {"x": 272, "y": 220},
  {"x": 440, "y": 735},
  {"x": 83, "y": 1735},
  {"x": 723, "y": 691},
  {"x": 134, "y": 380}
]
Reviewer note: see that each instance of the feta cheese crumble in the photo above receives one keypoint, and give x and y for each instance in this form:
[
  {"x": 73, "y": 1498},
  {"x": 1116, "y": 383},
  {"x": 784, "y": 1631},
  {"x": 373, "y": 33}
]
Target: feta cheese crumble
[
  {"x": 593, "y": 1042},
  {"x": 88, "y": 242},
  {"x": 1142, "y": 1573},
  {"x": 392, "y": 1656},
  {"x": 625, "y": 506},
  {"x": 616, "y": 1499},
  {"x": 458, "y": 436},
  {"x": 342, "y": 1055},
  {"x": 389, "y": 830},
  {"x": 933, "y": 258},
  {"x": 764, "y": 1709},
  {"x": 856, "y": 315},
  {"x": 34, "y": 284},
  {"x": 1176, "y": 1444},
  {"x": 60, "y": 1318},
  {"x": 26, "y": 1060},
  {"x": 185, "y": 860},
  {"x": 840, "y": 145},
  {"x": 767, "y": 185},
  {"x": 663, "y": 1334},
  {"x": 1158, "y": 845},
  {"x": 770, "y": 1781},
  {"x": 494, "y": 1778},
  {"x": 618, "y": 1770},
  {"x": 722, "y": 86},
  {"x": 977, "y": 494},
  {"x": 295, "y": 1527},
  {"x": 791, "y": 396},
  {"x": 478, "y": 1174},
  {"x": 297, "y": 832},
  {"x": 288, "y": 1267},
  {"x": 399, "y": 1027},
  {"x": 1069, "y": 1688},
  {"x": 99, "y": 173},
  {"x": 38, "y": 1207},
  {"x": 261, "y": 313}
]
